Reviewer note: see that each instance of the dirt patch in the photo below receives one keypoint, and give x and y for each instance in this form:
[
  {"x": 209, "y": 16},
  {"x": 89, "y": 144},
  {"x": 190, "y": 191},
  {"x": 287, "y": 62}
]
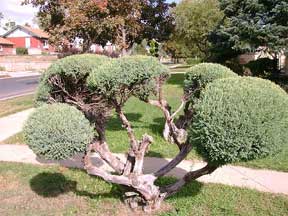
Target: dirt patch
[
  {"x": 120, "y": 209},
  {"x": 8, "y": 182},
  {"x": 18, "y": 198}
]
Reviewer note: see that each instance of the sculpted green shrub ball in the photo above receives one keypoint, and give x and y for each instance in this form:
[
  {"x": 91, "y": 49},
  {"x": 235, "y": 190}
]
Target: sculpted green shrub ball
[
  {"x": 198, "y": 76},
  {"x": 128, "y": 75},
  {"x": 57, "y": 131},
  {"x": 239, "y": 119},
  {"x": 73, "y": 71}
]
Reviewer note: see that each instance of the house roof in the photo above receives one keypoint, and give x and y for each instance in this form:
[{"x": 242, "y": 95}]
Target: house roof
[
  {"x": 33, "y": 31},
  {"x": 5, "y": 41}
]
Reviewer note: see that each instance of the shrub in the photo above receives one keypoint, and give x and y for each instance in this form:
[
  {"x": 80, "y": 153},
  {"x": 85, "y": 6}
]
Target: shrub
[
  {"x": 239, "y": 119},
  {"x": 198, "y": 76},
  {"x": 57, "y": 131},
  {"x": 21, "y": 51},
  {"x": 263, "y": 67},
  {"x": 131, "y": 75},
  {"x": 2, "y": 68},
  {"x": 73, "y": 71}
]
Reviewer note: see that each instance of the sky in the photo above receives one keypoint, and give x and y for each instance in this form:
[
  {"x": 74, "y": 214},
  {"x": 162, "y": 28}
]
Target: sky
[{"x": 13, "y": 10}]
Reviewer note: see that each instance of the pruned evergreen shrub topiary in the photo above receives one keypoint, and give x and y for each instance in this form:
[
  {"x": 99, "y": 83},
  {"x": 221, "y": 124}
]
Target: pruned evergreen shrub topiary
[
  {"x": 131, "y": 75},
  {"x": 57, "y": 131},
  {"x": 239, "y": 119},
  {"x": 70, "y": 72},
  {"x": 196, "y": 79},
  {"x": 234, "y": 119},
  {"x": 198, "y": 76}
]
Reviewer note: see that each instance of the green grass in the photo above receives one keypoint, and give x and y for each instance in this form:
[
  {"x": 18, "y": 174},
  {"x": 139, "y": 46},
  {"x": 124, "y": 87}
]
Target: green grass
[
  {"x": 148, "y": 119},
  {"x": 54, "y": 190},
  {"x": 14, "y": 105}
]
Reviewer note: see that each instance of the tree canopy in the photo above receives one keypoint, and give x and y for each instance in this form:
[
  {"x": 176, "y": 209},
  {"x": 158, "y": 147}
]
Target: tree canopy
[
  {"x": 251, "y": 25},
  {"x": 194, "y": 21},
  {"x": 120, "y": 22}
]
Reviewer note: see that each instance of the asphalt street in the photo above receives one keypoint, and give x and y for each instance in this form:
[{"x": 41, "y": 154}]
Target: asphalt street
[{"x": 12, "y": 87}]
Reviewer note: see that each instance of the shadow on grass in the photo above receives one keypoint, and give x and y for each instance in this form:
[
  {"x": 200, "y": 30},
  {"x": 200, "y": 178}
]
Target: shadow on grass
[
  {"x": 176, "y": 79},
  {"x": 49, "y": 184},
  {"x": 114, "y": 123}
]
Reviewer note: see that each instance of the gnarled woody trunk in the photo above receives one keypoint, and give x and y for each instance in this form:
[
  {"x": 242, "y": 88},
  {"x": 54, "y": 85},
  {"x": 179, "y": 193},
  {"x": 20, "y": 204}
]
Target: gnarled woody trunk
[{"x": 141, "y": 188}]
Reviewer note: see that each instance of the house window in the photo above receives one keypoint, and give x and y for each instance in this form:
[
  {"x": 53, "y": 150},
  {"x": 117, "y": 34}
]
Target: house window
[{"x": 1, "y": 48}]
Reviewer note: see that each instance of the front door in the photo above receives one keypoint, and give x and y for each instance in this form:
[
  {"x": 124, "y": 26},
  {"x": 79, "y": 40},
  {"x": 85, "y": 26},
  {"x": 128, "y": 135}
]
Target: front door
[{"x": 27, "y": 42}]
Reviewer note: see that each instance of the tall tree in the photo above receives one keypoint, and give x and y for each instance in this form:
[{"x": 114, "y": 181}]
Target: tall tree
[
  {"x": 93, "y": 21},
  {"x": 194, "y": 20},
  {"x": 157, "y": 20},
  {"x": 251, "y": 25},
  {"x": 120, "y": 22},
  {"x": 9, "y": 25}
]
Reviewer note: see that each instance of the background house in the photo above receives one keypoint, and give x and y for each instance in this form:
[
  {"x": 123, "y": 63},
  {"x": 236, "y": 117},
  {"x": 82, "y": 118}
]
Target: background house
[
  {"x": 6, "y": 47},
  {"x": 35, "y": 40}
]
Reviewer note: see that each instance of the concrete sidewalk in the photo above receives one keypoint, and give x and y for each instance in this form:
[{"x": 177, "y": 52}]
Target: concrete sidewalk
[
  {"x": 12, "y": 124},
  {"x": 261, "y": 180}
]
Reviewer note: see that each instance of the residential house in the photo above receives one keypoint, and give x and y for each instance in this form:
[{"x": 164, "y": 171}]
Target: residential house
[
  {"x": 6, "y": 47},
  {"x": 35, "y": 40}
]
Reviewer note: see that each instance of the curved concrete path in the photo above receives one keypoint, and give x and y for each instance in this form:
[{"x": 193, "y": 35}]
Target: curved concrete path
[
  {"x": 261, "y": 180},
  {"x": 12, "y": 124}
]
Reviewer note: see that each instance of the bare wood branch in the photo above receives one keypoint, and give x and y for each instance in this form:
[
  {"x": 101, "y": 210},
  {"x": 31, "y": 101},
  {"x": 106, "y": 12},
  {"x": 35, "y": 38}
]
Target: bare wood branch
[
  {"x": 173, "y": 163},
  {"x": 139, "y": 157},
  {"x": 169, "y": 120},
  {"x": 133, "y": 141},
  {"x": 179, "y": 109},
  {"x": 104, "y": 152},
  {"x": 190, "y": 176}
]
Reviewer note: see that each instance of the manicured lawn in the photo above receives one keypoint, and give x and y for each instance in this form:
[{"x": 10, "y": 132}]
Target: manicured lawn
[
  {"x": 148, "y": 119},
  {"x": 53, "y": 190},
  {"x": 14, "y": 105}
]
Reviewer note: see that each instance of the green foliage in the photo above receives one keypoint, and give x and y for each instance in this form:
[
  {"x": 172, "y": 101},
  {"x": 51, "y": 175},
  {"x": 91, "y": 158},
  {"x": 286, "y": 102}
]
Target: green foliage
[
  {"x": 157, "y": 21},
  {"x": 73, "y": 71},
  {"x": 193, "y": 61},
  {"x": 2, "y": 68},
  {"x": 139, "y": 49},
  {"x": 123, "y": 77},
  {"x": 154, "y": 48},
  {"x": 57, "y": 131},
  {"x": 198, "y": 76},
  {"x": 263, "y": 67},
  {"x": 177, "y": 48},
  {"x": 21, "y": 51},
  {"x": 250, "y": 25},
  {"x": 194, "y": 21},
  {"x": 239, "y": 119}
]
